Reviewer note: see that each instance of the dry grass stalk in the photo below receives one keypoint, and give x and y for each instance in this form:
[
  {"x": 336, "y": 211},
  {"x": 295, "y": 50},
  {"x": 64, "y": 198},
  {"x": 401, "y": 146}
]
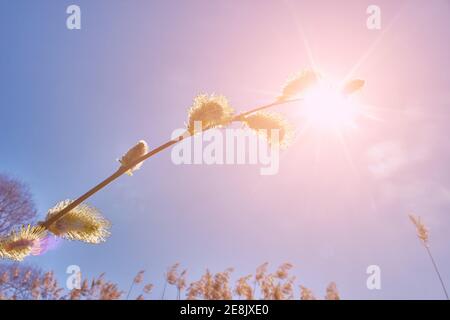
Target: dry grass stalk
[
  {"x": 181, "y": 283},
  {"x": 422, "y": 234}
]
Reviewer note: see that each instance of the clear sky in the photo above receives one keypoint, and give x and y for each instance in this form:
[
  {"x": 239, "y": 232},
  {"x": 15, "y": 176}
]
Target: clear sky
[{"x": 72, "y": 102}]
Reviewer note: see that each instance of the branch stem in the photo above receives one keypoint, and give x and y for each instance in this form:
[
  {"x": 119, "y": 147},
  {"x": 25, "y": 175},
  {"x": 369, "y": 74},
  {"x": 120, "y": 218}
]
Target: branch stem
[{"x": 151, "y": 153}]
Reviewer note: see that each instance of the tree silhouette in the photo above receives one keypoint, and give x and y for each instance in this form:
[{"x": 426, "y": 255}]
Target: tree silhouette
[{"x": 16, "y": 204}]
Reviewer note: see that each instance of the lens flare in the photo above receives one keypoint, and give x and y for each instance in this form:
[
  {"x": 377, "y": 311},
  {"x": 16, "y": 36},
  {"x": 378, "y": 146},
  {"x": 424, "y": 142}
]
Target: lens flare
[
  {"x": 326, "y": 108},
  {"x": 46, "y": 244}
]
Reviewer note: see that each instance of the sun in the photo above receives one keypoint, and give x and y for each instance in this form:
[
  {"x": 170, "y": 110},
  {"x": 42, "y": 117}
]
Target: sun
[{"x": 325, "y": 107}]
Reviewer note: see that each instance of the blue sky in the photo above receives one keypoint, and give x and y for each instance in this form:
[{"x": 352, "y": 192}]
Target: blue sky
[{"x": 72, "y": 102}]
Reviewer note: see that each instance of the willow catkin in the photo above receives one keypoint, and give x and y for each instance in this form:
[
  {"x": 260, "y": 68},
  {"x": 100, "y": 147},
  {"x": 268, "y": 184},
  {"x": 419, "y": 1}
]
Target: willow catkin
[
  {"x": 137, "y": 151},
  {"x": 82, "y": 223},
  {"x": 298, "y": 84},
  {"x": 267, "y": 123},
  {"x": 352, "y": 86},
  {"x": 19, "y": 243},
  {"x": 208, "y": 111}
]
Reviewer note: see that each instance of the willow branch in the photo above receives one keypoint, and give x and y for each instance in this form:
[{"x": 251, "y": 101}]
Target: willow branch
[{"x": 124, "y": 169}]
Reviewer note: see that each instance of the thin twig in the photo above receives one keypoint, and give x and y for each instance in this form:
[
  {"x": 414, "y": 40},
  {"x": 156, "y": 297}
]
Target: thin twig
[{"x": 267, "y": 106}]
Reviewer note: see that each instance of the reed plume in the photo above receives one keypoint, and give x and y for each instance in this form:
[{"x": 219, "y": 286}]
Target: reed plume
[
  {"x": 306, "y": 294},
  {"x": 278, "y": 285},
  {"x": 243, "y": 289},
  {"x": 83, "y": 223},
  {"x": 332, "y": 292},
  {"x": 171, "y": 277},
  {"x": 287, "y": 288},
  {"x": 148, "y": 288},
  {"x": 422, "y": 230},
  {"x": 283, "y": 271},
  {"x": 172, "y": 274},
  {"x": 31, "y": 283},
  {"x": 139, "y": 277},
  {"x": 260, "y": 274},
  {"x": 195, "y": 289},
  {"x": 211, "y": 287},
  {"x": 422, "y": 234},
  {"x": 137, "y": 280}
]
